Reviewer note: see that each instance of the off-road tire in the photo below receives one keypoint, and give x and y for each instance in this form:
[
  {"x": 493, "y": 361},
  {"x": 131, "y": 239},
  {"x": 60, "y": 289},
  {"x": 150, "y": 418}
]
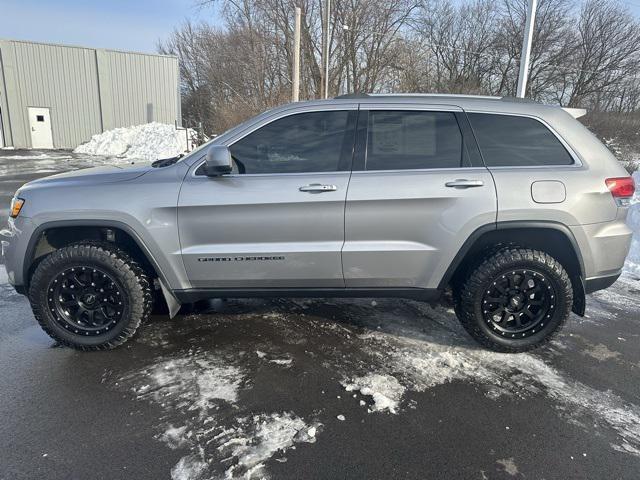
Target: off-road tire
[
  {"x": 128, "y": 276},
  {"x": 470, "y": 297}
]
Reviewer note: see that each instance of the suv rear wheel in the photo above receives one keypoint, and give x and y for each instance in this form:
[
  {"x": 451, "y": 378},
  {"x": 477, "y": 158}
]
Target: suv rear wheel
[
  {"x": 90, "y": 296},
  {"x": 515, "y": 300}
]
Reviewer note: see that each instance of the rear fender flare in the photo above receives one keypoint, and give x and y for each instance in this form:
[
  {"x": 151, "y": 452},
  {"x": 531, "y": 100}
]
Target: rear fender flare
[{"x": 577, "y": 280}]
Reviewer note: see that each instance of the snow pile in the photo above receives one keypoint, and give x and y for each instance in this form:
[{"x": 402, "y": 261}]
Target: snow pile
[
  {"x": 150, "y": 142},
  {"x": 632, "y": 264},
  {"x": 385, "y": 390}
]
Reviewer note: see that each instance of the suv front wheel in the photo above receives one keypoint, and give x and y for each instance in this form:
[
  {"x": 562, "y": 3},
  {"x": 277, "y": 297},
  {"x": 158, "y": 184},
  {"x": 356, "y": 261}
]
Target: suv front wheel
[
  {"x": 90, "y": 295},
  {"x": 515, "y": 300}
]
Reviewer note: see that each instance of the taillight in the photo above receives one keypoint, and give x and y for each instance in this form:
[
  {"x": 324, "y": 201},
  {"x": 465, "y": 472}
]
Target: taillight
[{"x": 622, "y": 189}]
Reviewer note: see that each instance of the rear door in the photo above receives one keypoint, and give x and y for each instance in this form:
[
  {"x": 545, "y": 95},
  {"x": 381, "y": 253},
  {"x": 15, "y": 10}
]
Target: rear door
[
  {"x": 278, "y": 220},
  {"x": 418, "y": 190}
]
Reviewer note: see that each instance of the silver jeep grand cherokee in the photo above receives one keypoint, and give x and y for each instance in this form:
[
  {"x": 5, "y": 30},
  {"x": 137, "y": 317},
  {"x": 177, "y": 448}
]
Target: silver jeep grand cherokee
[{"x": 513, "y": 205}]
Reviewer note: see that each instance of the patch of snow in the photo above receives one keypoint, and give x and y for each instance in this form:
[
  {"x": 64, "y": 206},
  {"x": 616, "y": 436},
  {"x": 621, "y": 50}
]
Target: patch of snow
[
  {"x": 509, "y": 466},
  {"x": 286, "y": 361},
  {"x": 264, "y": 435},
  {"x": 6, "y": 290},
  {"x": 175, "y": 437},
  {"x": 421, "y": 361},
  {"x": 149, "y": 142},
  {"x": 385, "y": 390},
  {"x": 282, "y": 361},
  {"x": 203, "y": 388},
  {"x": 600, "y": 352},
  {"x": 632, "y": 264},
  {"x": 199, "y": 382},
  {"x": 189, "y": 468},
  {"x": 42, "y": 158}
]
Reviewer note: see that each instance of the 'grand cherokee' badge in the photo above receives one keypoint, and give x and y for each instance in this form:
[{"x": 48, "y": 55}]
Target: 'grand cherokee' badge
[{"x": 241, "y": 259}]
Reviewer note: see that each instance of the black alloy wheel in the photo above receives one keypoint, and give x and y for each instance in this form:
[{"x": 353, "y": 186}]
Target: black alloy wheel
[
  {"x": 85, "y": 300},
  {"x": 518, "y": 303}
]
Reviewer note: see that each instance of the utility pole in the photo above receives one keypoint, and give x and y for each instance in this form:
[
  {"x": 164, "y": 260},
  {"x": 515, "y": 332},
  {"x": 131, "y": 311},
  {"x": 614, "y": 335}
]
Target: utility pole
[
  {"x": 325, "y": 50},
  {"x": 526, "y": 49},
  {"x": 347, "y": 45},
  {"x": 295, "y": 93}
]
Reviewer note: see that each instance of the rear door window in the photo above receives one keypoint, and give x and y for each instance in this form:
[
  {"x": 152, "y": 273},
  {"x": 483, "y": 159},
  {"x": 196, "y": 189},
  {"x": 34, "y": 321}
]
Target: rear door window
[
  {"x": 403, "y": 140},
  {"x": 514, "y": 141}
]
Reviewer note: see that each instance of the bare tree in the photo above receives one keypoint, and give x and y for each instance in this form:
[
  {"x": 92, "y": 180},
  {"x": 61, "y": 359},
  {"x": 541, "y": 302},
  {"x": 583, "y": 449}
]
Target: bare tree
[
  {"x": 607, "y": 51},
  {"x": 582, "y": 55}
]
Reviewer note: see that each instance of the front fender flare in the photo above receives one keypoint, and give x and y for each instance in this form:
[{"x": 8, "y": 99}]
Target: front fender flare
[{"x": 40, "y": 229}]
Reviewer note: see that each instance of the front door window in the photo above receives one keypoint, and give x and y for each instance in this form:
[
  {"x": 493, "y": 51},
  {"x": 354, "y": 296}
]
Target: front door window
[{"x": 301, "y": 143}]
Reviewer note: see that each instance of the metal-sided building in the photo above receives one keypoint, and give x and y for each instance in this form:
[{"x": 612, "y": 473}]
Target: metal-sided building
[{"x": 56, "y": 96}]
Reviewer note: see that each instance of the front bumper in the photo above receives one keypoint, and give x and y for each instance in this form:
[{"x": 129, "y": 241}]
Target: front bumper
[{"x": 14, "y": 243}]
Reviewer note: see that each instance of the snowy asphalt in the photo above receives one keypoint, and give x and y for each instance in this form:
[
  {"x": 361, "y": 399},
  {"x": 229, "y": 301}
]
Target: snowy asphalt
[{"x": 326, "y": 389}]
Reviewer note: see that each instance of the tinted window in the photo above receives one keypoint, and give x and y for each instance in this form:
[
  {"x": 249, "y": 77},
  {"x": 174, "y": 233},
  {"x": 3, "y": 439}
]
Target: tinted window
[
  {"x": 413, "y": 140},
  {"x": 305, "y": 142},
  {"x": 507, "y": 140}
]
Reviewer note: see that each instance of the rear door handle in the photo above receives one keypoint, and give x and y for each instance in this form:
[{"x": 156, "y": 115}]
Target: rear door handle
[
  {"x": 318, "y": 188},
  {"x": 463, "y": 183}
]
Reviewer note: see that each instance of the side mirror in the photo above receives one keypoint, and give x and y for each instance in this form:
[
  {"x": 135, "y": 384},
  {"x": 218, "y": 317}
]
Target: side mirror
[{"x": 218, "y": 161}]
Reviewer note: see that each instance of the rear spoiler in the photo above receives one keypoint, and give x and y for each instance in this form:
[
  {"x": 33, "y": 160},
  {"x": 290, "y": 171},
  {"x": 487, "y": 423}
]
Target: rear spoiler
[{"x": 575, "y": 112}]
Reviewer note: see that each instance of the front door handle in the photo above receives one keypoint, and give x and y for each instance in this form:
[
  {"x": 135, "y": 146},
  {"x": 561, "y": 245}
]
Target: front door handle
[
  {"x": 463, "y": 183},
  {"x": 318, "y": 188}
]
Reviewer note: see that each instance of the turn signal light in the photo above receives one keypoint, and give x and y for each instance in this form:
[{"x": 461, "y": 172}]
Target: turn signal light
[
  {"x": 622, "y": 189},
  {"x": 16, "y": 206}
]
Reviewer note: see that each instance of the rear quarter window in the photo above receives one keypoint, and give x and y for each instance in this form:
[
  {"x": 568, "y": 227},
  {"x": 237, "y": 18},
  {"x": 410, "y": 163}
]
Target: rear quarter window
[{"x": 513, "y": 141}]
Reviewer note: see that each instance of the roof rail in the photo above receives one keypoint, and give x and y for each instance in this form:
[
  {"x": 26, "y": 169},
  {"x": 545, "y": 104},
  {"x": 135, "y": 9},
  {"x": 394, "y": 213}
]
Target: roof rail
[
  {"x": 353, "y": 95},
  {"x": 459, "y": 95},
  {"x": 369, "y": 95},
  {"x": 518, "y": 100}
]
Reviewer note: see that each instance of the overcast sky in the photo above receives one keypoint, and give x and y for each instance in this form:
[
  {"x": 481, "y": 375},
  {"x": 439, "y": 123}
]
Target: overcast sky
[{"x": 120, "y": 24}]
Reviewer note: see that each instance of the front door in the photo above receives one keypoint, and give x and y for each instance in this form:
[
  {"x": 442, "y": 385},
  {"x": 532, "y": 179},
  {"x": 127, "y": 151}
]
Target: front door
[
  {"x": 278, "y": 220},
  {"x": 40, "y": 125},
  {"x": 418, "y": 190}
]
